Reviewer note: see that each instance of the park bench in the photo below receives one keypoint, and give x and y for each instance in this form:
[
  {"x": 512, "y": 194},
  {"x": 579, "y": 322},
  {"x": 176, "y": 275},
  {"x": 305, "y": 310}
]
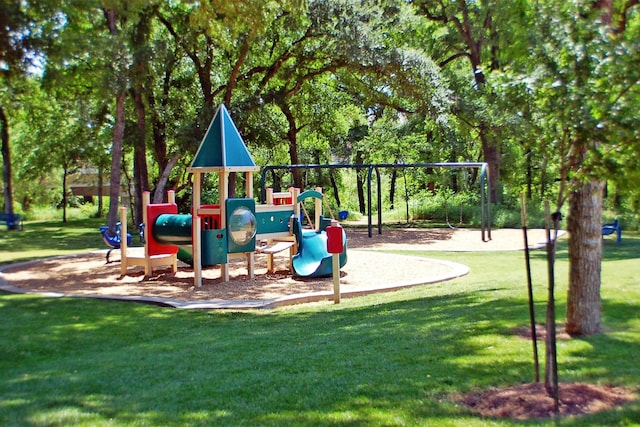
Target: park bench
[
  {"x": 12, "y": 221},
  {"x": 612, "y": 227}
]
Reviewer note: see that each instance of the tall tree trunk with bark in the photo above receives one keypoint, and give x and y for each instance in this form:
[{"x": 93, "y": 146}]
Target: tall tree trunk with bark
[
  {"x": 6, "y": 163},
  {"x": 118, "y": 138},
  {"x": 491, "y": 151},
  {"x": 140, "y": 169},
  {"x": 334, "y": 185},
  {"x": 359, "y": 160},
  {"x": 100, "y": 192},
  {"x": 584, "y": 305},
  {"x": 116, "y": 164},
  {"x": 163, "y": 163},
  {"x": 292, "y": 136},
  {"x": 140, "y": 75},
  {"x": 65, "y": 201},
  {"x": 163, "y": 180},
  {"x": 392, "y": 188}
]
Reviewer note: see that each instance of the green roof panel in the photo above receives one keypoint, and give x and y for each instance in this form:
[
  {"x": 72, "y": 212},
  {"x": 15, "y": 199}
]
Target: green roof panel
[{"x": 222, "y": 145}]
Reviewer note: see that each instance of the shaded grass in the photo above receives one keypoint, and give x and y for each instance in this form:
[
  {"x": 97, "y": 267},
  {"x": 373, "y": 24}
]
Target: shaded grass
[
  {"x": 50, "y": 238},
  {"x": 384, "y": 359}
]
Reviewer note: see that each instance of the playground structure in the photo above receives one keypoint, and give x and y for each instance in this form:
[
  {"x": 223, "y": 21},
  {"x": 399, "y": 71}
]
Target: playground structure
[
  {"x": 114, "y": 242},
  {"x": 155, "y": 253},
  {"x": 168, "y": 235},
  {"x": 233, "y": 227}
]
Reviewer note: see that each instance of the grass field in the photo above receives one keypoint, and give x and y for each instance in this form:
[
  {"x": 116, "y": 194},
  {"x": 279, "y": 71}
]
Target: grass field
[
  {"x": 50, "y": 238},
  {"x": 382, "y": 360}
]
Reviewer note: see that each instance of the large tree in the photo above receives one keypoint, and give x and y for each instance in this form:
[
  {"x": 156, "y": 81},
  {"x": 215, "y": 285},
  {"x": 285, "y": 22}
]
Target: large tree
[
  {"x": 16, "y": 52},
  {"x": 467, "y": 31},
  {"x": 346, "y": 46},
  {"x": 12, "y": 19},
  {"x": 585, "y": 74},
  {"x": 119, "y": 57}
]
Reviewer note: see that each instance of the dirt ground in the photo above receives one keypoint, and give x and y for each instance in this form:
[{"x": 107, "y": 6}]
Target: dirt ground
[
  {"x": 531, "y": 401},
  {"x": 367, "y": 268}
]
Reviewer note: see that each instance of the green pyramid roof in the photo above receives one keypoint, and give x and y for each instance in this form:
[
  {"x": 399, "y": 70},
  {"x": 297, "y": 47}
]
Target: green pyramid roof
[{"x": 222, "y": 147}]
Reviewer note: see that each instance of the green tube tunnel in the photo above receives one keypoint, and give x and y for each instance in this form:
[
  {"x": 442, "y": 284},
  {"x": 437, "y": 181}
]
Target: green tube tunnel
[
  {"x": 175, "y": 229},
  {"x": 172, "y": 229}
]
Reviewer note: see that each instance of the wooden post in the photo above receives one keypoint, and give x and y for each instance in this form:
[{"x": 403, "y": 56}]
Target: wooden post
[
  {"x": 318, "y": 209},
  {"x": 295, "y": 192},
  {"x": 196, "y": 229},
  {"x": 146, "y": 200},
  {"x": 335, "y": 247},
  {"x": 248, "y": 184},
  {"x": 335, "y": 263},
  {"x": 223, "y": 191},
  {"x": 248, "y": 191},
  {"x": 123, "y": 242}
]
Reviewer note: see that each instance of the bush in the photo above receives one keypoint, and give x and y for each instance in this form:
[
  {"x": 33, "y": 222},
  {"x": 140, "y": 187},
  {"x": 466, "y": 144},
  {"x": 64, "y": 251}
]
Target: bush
[
  {"x": 446, "y": 207},
  {"x": 49, "y": 213}
]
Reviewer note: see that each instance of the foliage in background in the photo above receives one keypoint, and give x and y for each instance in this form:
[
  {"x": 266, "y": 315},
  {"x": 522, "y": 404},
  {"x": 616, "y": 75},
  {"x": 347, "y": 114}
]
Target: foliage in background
[{"x": 300, "y": 79}]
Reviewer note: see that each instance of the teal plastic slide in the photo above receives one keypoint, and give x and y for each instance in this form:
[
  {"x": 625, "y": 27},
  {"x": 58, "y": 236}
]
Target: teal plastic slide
[{"x": 312, "y": 259}]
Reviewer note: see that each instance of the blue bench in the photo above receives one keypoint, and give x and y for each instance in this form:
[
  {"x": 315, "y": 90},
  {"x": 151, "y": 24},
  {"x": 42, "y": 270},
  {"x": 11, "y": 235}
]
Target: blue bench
[
  {"x": 12, "y": 221},
  {"x": 613, "y": 227}
]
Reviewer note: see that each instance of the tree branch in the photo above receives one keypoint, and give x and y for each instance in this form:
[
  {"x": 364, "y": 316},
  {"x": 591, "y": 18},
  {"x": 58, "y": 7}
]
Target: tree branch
[
  {"x": 452, "y": 58},
  {"x": 244, "y": 50},
  {"x": 622, "y": 25}
]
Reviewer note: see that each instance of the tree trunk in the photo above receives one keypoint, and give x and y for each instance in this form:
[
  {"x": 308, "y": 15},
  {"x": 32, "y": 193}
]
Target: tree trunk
[
  {"x": 491, "y": 151},
  {"x": 292, "y": 136},
  {"x": 158, "y": 195},
  {"x": 360, "y": 182},
  {"x": 116, "y": 163},
  {"x": 529, "y": 173},
  {"x": 584, "y": 305},
  {"x": 334, "y": 185},
  {"x": 100, "y": 193},
  {"x": 65, "y": 173},
  {"x": 140, "y": 170},
  {"x": 543, "y": 175},
  {"x": 159, "y": 132},
  {"x": 6, "y": 163},
  {"x": 392, "y": 188},
  {"x": 118, "y": 137}
]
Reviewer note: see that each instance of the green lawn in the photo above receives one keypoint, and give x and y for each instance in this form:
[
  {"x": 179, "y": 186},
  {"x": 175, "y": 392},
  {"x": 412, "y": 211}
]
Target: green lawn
[
  {"x": 49, "y": 238},
  {"x": 382, "y": 360}
]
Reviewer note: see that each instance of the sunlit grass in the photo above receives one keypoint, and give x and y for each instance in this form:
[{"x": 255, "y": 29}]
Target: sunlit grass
[
  {"x": 383, "y": 359},
  {"x": 41, "y": 239}
]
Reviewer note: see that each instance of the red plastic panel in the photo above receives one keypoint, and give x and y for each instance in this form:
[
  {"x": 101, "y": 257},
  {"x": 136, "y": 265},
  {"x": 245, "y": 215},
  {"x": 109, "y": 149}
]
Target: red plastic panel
[
  {"x": 334, "y": 240},
  {"x": 153, "y": 212},
  {"x": 210, "y": 222}
]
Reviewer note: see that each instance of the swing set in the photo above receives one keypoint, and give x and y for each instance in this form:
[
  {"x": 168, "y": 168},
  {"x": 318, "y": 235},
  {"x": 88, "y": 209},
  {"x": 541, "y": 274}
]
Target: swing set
[{"x": 483, "y": 167}]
